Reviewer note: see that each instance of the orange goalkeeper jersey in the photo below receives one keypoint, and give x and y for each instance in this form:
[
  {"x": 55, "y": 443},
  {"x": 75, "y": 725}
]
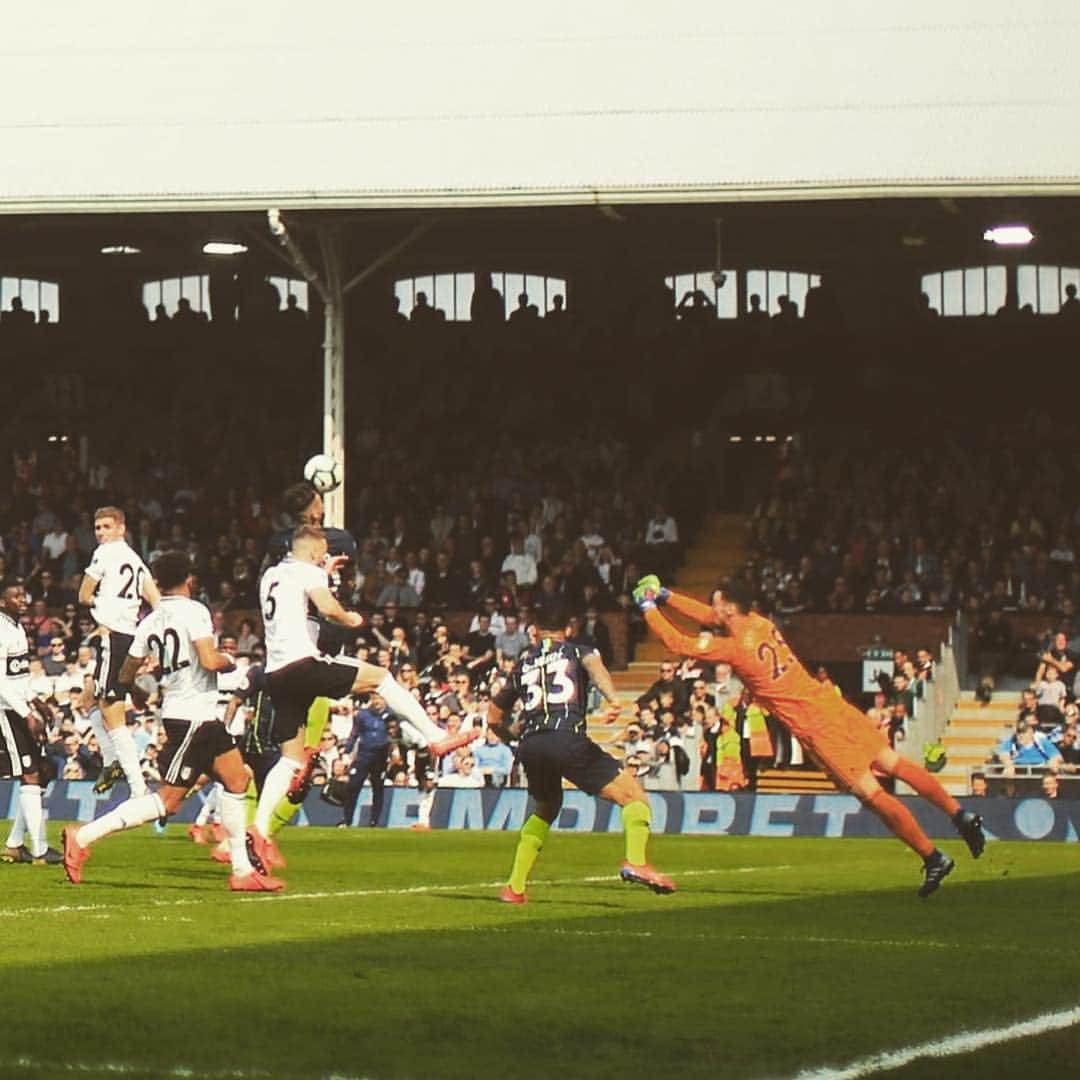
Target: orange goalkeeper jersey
[{"x": 829, "y": 726}]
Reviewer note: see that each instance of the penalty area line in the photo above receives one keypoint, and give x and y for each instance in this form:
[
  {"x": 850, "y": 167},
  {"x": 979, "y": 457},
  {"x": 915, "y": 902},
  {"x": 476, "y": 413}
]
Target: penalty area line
[{"x": 964, "y": 1042}]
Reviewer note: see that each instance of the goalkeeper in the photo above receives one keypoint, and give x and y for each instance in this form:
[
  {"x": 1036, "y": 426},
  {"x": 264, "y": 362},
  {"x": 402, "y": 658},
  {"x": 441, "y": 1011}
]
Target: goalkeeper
[{"x": 835, "y": 732}]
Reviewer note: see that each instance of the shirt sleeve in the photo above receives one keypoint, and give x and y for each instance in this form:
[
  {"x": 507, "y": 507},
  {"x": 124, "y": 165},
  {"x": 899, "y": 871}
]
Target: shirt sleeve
[
  {"x": 139, "y": 644},
  {"x": 96, "y": 569},
  {"x": 200, "y": 626},
  {"x": 707, "y": 646}
]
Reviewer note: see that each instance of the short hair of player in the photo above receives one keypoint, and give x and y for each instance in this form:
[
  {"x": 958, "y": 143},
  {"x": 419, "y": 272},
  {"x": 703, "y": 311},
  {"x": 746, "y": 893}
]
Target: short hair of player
[
  {"x": 113, "y": 512},
  {"x": 737, "y": 591},
  {"x": 297, "y": 498},
  {"x": 171, "y": 569},
  {"x": 307, "y": 535}
]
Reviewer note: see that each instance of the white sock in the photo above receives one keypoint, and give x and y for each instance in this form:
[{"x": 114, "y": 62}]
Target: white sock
[
  {"x": 234, "y": 818},
  {"x": 423, "y": 811},
  {"x": 123, "y": 745},
  {"x": 399, "y": 700},
  {"x": 18, "y": 829},
  {"x": 105, "y": 744},
  {"x": 275, "y": 788},
  {"x": 126, "y": 816},
  {"x": 30, "y": 806},
  {"x": 210, "y": 805}
]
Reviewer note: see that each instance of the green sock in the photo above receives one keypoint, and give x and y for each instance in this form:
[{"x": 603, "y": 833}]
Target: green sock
[
  {"x": 636, "y": 818},
  {"x": 533, "y": 834},
  {"x": 282, "y": 814}
]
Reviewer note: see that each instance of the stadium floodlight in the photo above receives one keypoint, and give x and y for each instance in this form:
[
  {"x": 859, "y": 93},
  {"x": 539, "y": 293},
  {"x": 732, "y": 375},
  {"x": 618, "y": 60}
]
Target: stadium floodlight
[
  {"x": 223, "y": 247},
  {"x": 1009, "y": 235},
  {"x": 120, "y": 249}
]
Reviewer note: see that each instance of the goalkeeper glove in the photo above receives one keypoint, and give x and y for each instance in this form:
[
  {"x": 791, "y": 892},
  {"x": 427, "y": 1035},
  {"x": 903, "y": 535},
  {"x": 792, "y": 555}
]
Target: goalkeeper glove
[{"x": 649, "y": 592}]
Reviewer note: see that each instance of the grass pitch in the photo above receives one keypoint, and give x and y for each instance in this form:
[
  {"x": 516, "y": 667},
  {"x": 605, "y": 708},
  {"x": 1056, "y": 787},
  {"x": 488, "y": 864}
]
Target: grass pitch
[{"x": 390, "y": 956}]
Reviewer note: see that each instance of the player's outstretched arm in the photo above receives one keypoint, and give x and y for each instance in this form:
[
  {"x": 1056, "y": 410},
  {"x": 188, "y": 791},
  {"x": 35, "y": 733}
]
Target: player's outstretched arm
[
  {"x": 330, "y": 607},
  {"x": 690, "y": 607},
  {"x": 603, "y": 682},
  {"x": 211, "y": 657}
]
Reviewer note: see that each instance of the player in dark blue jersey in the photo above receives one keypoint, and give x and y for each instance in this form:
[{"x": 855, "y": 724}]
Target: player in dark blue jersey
[{"x": 551, "y": 680}]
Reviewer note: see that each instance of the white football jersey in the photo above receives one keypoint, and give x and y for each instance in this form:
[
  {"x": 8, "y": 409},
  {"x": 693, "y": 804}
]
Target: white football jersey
[
  {"x": 14, "y": 666},
  {"x": 289, "y": 619},
  {"x": 189, "y": 691},
  {"x": 120, "y": 573}
]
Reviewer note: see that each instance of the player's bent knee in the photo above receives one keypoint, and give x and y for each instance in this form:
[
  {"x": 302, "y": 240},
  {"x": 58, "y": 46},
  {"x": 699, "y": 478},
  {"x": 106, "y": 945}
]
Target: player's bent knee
[
  {"x": 624, "y": 789},
  {"x": 368, "y": 677}
]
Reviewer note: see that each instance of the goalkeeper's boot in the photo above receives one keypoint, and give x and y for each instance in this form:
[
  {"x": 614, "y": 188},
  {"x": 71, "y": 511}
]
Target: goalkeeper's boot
[
  {"x": 110, "y": 776},
  {"x": 508, "y": 896},
  {"x": 970, "y": 827},
  {"x": 936, "y": 868},
  {"x": 647, "y": 876},
  {"x": 301, "y": 781}
]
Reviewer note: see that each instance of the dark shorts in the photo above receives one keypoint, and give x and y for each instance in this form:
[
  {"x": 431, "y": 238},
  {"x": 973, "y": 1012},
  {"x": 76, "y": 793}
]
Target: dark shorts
[
  {"x": 111, "y": 651},
  {"x": 294, "y": 687},
  {"x": 549, "y": 756},
  {"x": 19, "y": 750},
  {"x": 191, "y": 750},
  {"x": 260, "y": 762}
]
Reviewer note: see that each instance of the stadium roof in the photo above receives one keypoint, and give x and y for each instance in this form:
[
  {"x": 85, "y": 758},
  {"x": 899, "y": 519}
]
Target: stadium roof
[{"x": 220, "y": 104}]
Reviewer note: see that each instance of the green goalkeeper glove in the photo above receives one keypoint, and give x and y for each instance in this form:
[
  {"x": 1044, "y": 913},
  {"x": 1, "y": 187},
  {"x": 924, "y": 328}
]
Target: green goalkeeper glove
[{"x": 648, "y": 592}]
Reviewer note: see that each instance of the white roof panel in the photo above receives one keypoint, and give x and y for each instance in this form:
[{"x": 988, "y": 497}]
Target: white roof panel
[{"x": 329, "y": 103}]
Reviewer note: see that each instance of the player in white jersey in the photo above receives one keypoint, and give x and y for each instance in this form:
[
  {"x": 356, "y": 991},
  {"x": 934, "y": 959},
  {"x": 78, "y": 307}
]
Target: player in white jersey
[
  {"x": 291, "y": 595},
  {"x": 22, "y": 733},
  {"x": 207, "y": 824},
  {"x": 180, "y": 637},
  {"x": 115, "y": 584}
]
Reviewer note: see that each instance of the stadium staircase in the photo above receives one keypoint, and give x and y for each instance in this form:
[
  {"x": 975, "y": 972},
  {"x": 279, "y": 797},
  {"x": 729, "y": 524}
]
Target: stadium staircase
[{"x": 971, "y": 735}]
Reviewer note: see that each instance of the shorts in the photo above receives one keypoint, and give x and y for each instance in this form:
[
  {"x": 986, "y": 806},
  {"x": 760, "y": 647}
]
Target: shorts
[
  {"x": 260, "y": 762},
  {"x": 111, "y": 651},
  {"x": 191, "y": 748},
  {"x": 19, "y": 750},
  {"x": 845, "y": 744},
  {"x": 548, "y": 756},
  {"x": 294, "y": 687}
]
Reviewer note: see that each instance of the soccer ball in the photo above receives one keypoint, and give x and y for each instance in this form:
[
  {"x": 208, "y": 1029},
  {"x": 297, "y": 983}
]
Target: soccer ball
[{"x": 323, "y": 473}]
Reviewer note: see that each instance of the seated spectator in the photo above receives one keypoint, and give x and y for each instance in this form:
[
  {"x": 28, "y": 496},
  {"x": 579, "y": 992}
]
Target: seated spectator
[
  {"x": 246, "y": 638},
  {"x": 398, "y": 591},
  {"x": 1028, "y": 746},
  {"x": 522, "y": 564},
  {"x": 979, "y": 786},
  {"x": 1050, "y": 786},
  {"x": 494, "y": 760},
  {"x": 1057, "y": 658},
  {"x": 465, "y": 774},
  {"x": 667, "y": 680},
  {"x": 1050, "y": 693},
  {"x": 512, "y": 642}
]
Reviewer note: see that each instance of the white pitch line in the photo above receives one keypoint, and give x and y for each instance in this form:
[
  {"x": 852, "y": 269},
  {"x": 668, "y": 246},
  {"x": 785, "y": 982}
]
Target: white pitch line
[
  {"x": 964, "y": 1042},
  {"x": 120, "y": 1068},
  {"x": 347, "y": 894}
]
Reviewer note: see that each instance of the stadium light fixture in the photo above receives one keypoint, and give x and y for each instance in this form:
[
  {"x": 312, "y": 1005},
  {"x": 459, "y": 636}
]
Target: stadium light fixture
[
  {"x": 223, "y": 247},
  {"x": 1009, "y": 235},
  {"x": 120, "y": 249}
]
